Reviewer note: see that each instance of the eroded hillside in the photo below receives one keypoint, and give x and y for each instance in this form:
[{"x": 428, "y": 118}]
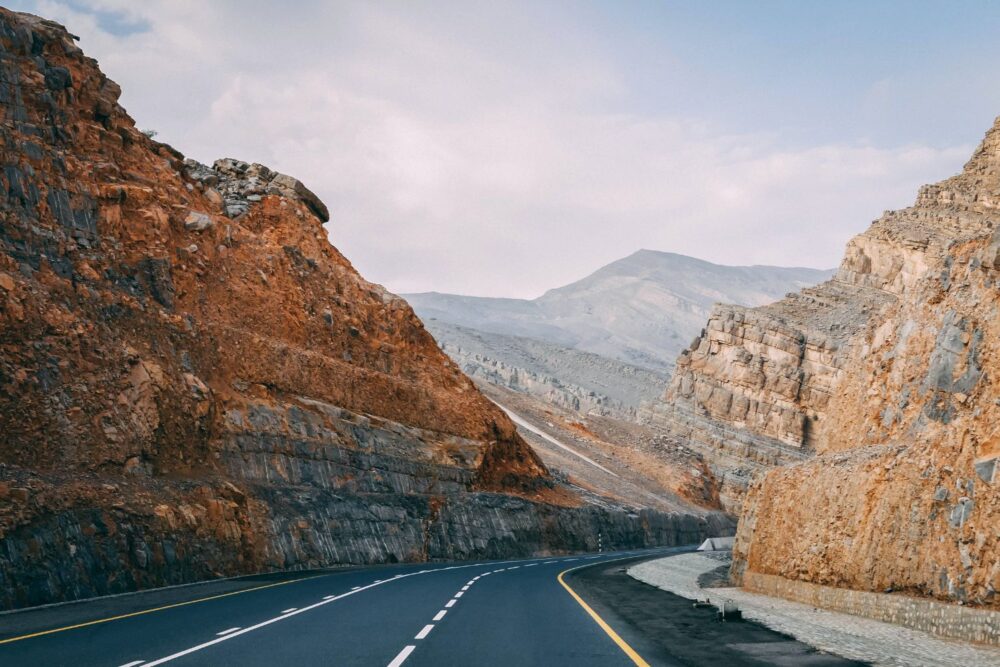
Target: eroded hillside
[
  {"x": 194, "y": 383},
  {"x": 904, "y": 493},
  {"x": 874, "y": 395}
]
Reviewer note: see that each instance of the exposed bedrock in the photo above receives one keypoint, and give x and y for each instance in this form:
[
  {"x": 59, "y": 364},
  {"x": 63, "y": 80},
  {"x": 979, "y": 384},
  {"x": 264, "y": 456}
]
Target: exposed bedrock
[
  {"x": 194, "y": 382},
  {"x": 866, "y": 409}
]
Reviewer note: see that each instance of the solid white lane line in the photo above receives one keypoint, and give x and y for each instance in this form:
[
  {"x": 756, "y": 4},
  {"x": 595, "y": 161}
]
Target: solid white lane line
[
  {"x": 459, "y": 594},
  {"x": 133, "y": 664},
  {"x": 226, "y": 632},
  {"x": 289, "y": 611},
  {"x": 426, "y": 631},
  {"x": 403, "y": 655},
  {"x": 450, "y": 603},
  {"x": 440, "y": 615}
]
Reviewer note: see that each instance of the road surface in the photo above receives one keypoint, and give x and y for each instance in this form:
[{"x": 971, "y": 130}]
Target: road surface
[{"x": 539, "y": 611}]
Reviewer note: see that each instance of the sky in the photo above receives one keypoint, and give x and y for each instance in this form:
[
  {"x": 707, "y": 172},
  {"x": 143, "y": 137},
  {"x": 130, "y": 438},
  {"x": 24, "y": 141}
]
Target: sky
[{"x": 502, "y": 149}]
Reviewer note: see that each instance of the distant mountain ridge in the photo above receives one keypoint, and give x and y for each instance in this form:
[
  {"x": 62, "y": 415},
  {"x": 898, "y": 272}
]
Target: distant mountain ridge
[
  {"x": 604, "y": 344},
  {"x": 642, "y": 309}
]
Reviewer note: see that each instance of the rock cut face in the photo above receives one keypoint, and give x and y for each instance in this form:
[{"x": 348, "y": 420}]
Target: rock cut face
[
  {"x": 861, "y": 414},
  {"x": 194, "y": 382},
  {"x": 904, "y": 495},
  {"x": 183, "y": 287}
]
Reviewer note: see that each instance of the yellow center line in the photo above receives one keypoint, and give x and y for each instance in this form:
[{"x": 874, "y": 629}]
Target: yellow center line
[
  {"x": 622, "y": 644},
  {"x": 154, "y": 609}
]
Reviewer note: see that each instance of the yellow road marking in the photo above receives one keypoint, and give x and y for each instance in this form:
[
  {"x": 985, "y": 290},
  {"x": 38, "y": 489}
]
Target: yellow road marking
[
  {"x": 622, "y": 644},
  {"x": 150, "y": 611}
]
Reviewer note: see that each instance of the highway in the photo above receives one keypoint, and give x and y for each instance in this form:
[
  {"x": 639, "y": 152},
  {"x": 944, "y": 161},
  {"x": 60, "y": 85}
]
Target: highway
[
  {"x": 470, "y": 613},
  {"x": 579, "y": 610}
]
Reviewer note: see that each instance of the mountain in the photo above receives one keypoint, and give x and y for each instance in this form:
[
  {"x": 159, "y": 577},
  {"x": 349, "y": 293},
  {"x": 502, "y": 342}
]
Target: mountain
[
  {"x": 854, "y": 424},
  {"x": 579, "y": 381},
  {"x": 636, "y": 314},
  {"x": 642, "y": 309},
  {"x": 197, "y": 384}
]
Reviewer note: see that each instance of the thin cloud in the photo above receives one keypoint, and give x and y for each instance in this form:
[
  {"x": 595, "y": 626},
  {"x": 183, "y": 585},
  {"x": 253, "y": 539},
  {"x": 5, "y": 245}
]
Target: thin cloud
[{"x": 482, "y": 153}]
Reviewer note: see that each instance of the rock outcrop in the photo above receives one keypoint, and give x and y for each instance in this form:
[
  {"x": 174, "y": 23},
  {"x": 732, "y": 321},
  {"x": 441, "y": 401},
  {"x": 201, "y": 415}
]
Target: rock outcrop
[
  {"x": 875, "y": 396},
  {"x": 753, "y": 390},
  {"x": 194, "y": 383},
  {"x": 903, "y": 495}
]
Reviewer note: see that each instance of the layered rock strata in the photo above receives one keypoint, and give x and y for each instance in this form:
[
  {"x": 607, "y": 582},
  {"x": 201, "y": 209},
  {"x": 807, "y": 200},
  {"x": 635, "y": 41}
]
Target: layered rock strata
[
  {"x": 194, "y": 383},
  {"x": 861, "y": 414},
  {"x": 904, "y": 495},
  {"x": 753, "y": 390}
]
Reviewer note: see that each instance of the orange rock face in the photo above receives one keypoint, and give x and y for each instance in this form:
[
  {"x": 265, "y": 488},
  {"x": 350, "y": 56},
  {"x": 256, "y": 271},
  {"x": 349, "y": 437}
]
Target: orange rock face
[
  {"x": 193, "y": 381},
  {"x": 903, "y": 493}
]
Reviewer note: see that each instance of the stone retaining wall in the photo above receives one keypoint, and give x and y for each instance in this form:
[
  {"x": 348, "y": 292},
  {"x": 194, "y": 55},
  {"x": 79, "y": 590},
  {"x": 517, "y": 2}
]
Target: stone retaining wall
[{"x": 936, "y": 618}]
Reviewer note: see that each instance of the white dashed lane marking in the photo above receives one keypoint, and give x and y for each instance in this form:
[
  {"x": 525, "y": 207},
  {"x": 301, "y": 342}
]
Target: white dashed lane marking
[
  {"x": 440, "y": 615},
  {"x": 426, "y": 631},
  {"x": 403, "y": 655},
  {"x": 294, "y": 611}
]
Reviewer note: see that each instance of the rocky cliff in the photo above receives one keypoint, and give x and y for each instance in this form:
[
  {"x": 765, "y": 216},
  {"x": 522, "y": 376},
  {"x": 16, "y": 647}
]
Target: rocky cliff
[
  {"x": 903, "y": 494},
  {"x": 194, "y": 383},
  {"x": 753, "y": 390},
  {"x": 877, "y": 392}
]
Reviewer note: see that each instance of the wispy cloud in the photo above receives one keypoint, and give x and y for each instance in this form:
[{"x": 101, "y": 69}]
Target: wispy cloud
[{"x": 479, "y": 150}]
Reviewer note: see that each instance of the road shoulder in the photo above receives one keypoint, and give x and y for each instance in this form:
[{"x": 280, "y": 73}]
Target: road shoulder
[
  {"x": 852, "y": 636},
  {"x": 666, "y": 629}
]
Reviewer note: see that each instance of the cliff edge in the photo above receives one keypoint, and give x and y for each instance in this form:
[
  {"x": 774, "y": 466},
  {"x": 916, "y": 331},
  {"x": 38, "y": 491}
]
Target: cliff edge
[
  {"x": 854, "y": 424},
  {"x": 194, "y": 382},
  {"x": 903, "y": 494}
]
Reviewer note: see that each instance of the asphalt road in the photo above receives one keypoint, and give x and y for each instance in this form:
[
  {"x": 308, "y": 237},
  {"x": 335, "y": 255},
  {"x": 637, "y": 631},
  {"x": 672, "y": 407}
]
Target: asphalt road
[{"x": 509, "y": 613}]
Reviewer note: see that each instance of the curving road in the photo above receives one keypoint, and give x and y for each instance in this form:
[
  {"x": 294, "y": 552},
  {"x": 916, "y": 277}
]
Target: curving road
[{"x": 483, "y": 613}]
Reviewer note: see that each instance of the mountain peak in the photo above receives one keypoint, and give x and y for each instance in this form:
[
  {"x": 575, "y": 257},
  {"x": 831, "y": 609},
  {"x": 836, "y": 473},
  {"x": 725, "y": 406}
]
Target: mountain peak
[
  {"x": 641, "y": 309},
  {"x": 986, "y": 159}
]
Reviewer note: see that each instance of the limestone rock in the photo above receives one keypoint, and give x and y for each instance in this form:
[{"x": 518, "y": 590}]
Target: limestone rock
[
  {"x": 197, "y": 222},
  {"x": 865, "y": 409}
]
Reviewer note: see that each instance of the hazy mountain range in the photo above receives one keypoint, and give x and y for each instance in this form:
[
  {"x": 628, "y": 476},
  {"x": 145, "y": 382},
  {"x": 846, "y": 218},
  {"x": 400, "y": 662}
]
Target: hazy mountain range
[{"x": 636, "y": 314}]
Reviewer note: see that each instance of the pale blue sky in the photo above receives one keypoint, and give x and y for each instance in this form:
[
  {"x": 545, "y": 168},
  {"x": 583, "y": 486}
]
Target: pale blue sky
[{"x": 505, "y": 148}]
